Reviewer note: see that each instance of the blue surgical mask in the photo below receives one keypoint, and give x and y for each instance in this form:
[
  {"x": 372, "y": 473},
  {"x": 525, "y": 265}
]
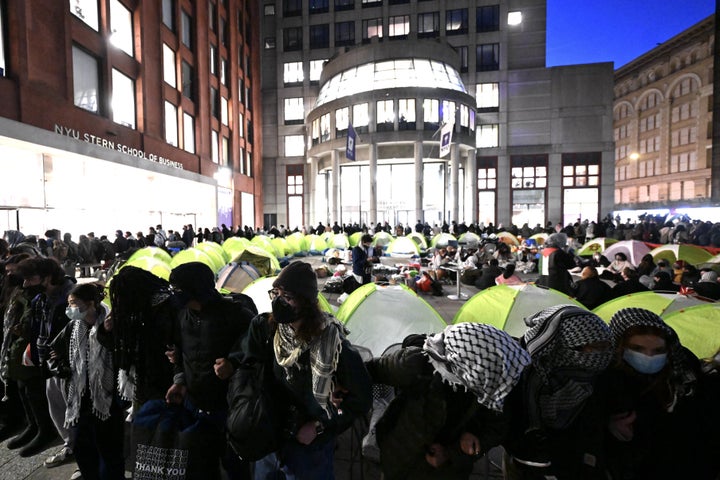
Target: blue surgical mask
[
  {"x": 645, "y": 363},
  {"x": 74, "y": 313}
]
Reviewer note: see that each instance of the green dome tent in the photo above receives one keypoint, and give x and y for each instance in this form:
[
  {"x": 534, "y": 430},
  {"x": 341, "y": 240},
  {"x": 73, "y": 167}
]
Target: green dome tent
[
  {"x": 298, "y": 243},
  {"x": 194, "y": 255},
  {"x": 354, "y": 239},
  {"x": 403, "y": 247},
  {"x": 441, "y": 240},
  {"x": 155, "y": 252},
  {"x": 264, "y": 262},
  {"x": 153, "y": 265},
  {"x": 661, "y": 303},
  {"x": 419, "y": 239},
  {"x": 215, "y": 248},
  {"x": 596, "y": 245},
  {"x": 339, "y": 241},
  {"x": 698, "y": 328},
  {"x": 282, "y": 246},
  {"x": 470, "y": 240},
  {"x": 382, "y": 239},
  {"x": 263, "y": 241},
  {"x": 379, "y": 316},
  {"x": 234, "y": 277},
  {"x": 507, "y": 306},
  {"x": 316, "y": 245},
  {"x": 233, "y": 246},
  {"x": 692, "y": 254},
  {"x": 258, "y": 291}
]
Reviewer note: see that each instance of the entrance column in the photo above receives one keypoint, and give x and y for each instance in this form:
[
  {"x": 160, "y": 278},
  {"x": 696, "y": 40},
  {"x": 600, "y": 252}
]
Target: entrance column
[
  {"x": 310, "y": 189},
  {"x": 372, "y": 173},
  {"x": 419, "y": 182},
  {"x": 471, "y": 199},
  {"x": 335, "y": 193},
  {"x": 454, "y": 194}
]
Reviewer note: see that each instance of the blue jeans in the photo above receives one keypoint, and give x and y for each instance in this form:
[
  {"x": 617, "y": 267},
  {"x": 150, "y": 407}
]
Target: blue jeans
[{"x": 298, "y": 462}]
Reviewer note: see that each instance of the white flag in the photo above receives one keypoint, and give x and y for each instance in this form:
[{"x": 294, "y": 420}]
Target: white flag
[{"x": 446, "y": 138}]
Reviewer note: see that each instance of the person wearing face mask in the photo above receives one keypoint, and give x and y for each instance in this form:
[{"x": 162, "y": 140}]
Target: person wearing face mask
[
  {"x": 207, "y": 351},
  {"x": 656, "y": 426},
  {"x": 323, "y": 379},
  {"x": 46, "y": 283},
  {"x": 93, "y": 407}
]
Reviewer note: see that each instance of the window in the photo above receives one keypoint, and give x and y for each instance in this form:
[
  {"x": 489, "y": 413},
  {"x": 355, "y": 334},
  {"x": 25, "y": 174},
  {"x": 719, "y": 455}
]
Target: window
[
  {"x": 385, "y": 116},
  {"x": 447, "y": 111},
  {"x": 3, "y": 17},
  {"x": 428, "y": 24},
  {"x": 487, "y": 57},
  {"x": 212, "y": 16},
  {"x": 371, "y": 3},
  {"x": 464, "y": 118},
  {"x": 315, "y": 132},
  {"x": 121, "y": 27},
  {"x": 528, "y": 172},
  {"x": 214, "y": 152},
  {"x": 87, "y": 11},
  {"x": 342, "y": 120},
  {"x": 168, "y": 13},
  {"x": 213, "y": 60},
  {"x": 372, "y": 27},
  {"x": 293, "y": 73},
  {"x": 188, "y": 133},
  {"x": 294, "y": 189},
  {"x": 225, "y": 150},
  {"x": 248, "y": 164},
  {"x": 406, "y": 114},
  {"x": 456, "y": 21},
  {"x": 344, "y": 33},
  {"x": 241, "y": 126},
  {"x": 399, "y": 26},
  {"x": 320, "y": 36},
  {"x": 318, "y": 6},
  {"x": 344, "y": 5},
  {"x": 123, "y": 99},
  {"x": 86, "y": 80},
  {"x": 292, "y": 39},
  {"x": 487, "y": 96},
  {"x": 431, "y": 114},
  {"x": 294, "y": 112},
  {"x": 463, "y": 55},
  {"x": 224, "y": 110},
  {"x": 188, "y": 87},
  {"x": 292, "y": 8},
  {"x": 187, "y": 33},
  {"x": 487, "y": 19},
  {"x": 325, "y": 128},
  {"x": 269, "y": 43},
  {"x": 214, "y": 103},
  {"x": 581, "y": 169},
  {"x": 316, "y": 67},
  {"x": 361, "y": 117},
  {"x": 169, "y": 74},
  {"x": 487, "y": 178},
  {"x": 171, "y": 124},
  {"x": 488, "y": 136},
  {"x": 294, "y": 146},
  {"x": 687, "y": 85}
]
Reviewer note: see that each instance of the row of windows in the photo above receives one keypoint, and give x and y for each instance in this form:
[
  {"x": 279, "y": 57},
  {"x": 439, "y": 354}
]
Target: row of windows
[
  {"x": 530, "y": 177},
  {"x": 681, "y": 162},
  {"x": 681, "y": 190}
]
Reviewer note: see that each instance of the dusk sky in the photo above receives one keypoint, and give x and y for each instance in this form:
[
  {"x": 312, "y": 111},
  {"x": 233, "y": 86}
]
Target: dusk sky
[{"x": 590, "y": 31}]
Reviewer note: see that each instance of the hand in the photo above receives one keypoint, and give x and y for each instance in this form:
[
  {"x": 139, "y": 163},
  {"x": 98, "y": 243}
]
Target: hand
[
  {"x": 307, "y": 433},
  {"x": 223, "y": 368},
  {"x": 170, "y": 353},
  {"x": 622, "y": 426},
  {"x": 337, "y": 396},
  {"x": 176, "y": 393},
  {"x": 108, "y": 323},
  {"x": 437, "y": 455},
  {"x": 470, "y": 444}
]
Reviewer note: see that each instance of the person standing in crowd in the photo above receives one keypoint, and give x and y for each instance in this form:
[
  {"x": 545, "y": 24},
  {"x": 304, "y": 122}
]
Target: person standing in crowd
[
  {"x": 590, "y": 290},
  {"x": 46, "y": 282},
  {"x": 206, "y": 354},
  {"x": 464, "y": 375},
  {"x": 144, "y": 320},
  {"x": 657, "y": 428},
  {"x": 363, "y": 257},
  {"x": 559, "y": 416},
  {"x": 93, "y": 408},
  {"x": 317, "y": 369},
  {"x": 555, "y": 263}
]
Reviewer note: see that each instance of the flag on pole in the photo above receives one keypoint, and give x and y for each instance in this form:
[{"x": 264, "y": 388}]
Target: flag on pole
[
  {"x": 350, "y": 146},
  {"x": 445, "y": 139}
]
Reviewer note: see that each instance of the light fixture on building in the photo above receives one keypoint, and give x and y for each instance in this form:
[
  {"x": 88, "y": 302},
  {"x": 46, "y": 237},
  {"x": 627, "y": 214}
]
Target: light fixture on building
[
  {"x": 634, "y": 156},
  {"x": 514, "y": 18}
]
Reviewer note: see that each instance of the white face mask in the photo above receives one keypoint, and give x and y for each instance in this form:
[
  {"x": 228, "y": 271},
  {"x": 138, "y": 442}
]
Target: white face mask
[{"x": 74, "y": 313}]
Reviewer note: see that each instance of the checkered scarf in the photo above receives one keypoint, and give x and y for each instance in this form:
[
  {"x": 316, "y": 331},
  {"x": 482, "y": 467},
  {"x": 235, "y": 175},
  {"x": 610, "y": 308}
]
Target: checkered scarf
[
  {"x": 682, "y": 376},
  {"x": 482, "y": 359},
  {"x": 564, "y": 373},
  {"x": 324, "y": 356}
]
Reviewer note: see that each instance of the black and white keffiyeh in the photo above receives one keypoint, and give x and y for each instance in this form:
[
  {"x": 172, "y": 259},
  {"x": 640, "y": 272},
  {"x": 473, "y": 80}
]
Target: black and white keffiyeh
[
  {"x": 324, "y": 356},
  {"x": 92, "y": 368},
  {"x": 482, "y": 359},
  {"x": 682, "y": 376},
  {"x": 555, "y": 342}
]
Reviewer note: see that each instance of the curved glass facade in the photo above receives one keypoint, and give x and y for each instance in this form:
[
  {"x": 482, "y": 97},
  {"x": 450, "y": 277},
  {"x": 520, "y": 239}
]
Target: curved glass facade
[{"x": 389, "y": 74}]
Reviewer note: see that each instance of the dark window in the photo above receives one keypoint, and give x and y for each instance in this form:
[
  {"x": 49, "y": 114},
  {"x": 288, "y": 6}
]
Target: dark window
[
  {"x": 187, "y": 32},
  {"x": 292, "y": 39},
  {"x": 371, "y": 3},
  {"x": 371, "y": 27},
  {"x": 269, "y": 43},
  {"x": 269, "y": 9},
  {"x": 398, "y": 2},
  {"x": 456, "y": 21},
  {"x": 292, "y": 8},
  {"x": 344, "y": 33},
  {"x": 487, "y": 57},
  {"x": 212, "y": 16},
  {"x": 463, "y": 54},
  {"x": 487, "y": 18},
  {"x": 318, "y": 6},
  {"x": 320, "y": 36},
  {"x": 223, "y": 32},
  {"x": 168, "y": 13},
  {"x": 188, "y": 87},
  {"x": 214, "y": 103},
  {"x": 428, "y": 24},
  {"x": 248, "y": 31},
  {"x": 344, "y": 5}
]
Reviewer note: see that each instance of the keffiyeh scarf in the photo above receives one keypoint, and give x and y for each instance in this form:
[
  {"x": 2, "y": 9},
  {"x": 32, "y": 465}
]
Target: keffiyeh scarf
[
  {"x": 324, "y": 356},
  {"x": 91, "y": 366},
  {"x": 482, "y": 359}
]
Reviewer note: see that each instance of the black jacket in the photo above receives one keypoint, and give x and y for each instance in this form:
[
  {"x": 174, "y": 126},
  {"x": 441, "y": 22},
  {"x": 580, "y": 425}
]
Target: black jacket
[{"x": 592, "y": 292}]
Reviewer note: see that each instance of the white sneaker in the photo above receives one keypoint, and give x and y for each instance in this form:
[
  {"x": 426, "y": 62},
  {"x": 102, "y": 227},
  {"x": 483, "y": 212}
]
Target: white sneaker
[
  {"x": 76, "y": 475},
  {"x": 64, "y": 455}
]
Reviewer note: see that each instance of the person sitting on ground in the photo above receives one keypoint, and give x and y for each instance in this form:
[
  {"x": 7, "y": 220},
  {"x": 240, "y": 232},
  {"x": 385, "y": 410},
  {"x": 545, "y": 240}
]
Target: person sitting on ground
[
  {"x": 663, "y": 282},
  {"x": 508, "y": 276},
  {"x": 614, "y": 270},
  {"x": 708, "y": 285},
  {"x": 464, "y": 374},
  {"x": 629, "y": 283},
  {"x": 590, "y": 290},
  {"x": 489, "y": 273}
]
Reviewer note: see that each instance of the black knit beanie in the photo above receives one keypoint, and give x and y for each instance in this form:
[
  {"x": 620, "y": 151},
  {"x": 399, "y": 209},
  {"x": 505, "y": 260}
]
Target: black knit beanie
[
  {"x": 298, "y": 278},
  {"x": 197, "y": 280}
]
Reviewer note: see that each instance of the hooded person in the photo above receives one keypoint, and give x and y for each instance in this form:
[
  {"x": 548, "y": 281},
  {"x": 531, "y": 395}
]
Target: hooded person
[
  {"x": 463, "y": 375},
  {"x": 323, "y": 380},
  {"x": 655, "y": 391},
  {"x": 555, "y": 261},
  {"x": 708, "y": 285},
  {"x": 558, "y": 409},
  {"x": 206, "y": 353}
]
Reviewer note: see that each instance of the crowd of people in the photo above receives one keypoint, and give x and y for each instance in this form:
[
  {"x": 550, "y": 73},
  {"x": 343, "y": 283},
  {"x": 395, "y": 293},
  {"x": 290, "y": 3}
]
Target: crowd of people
[{"x": 572, "y": 398}]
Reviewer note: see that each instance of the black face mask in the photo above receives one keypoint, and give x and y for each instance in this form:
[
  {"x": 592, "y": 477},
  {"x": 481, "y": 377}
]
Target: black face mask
[
  {"x": 282, "y": 311},
  {"x": 13, "y": 280},
  {"x": 33, "y": 290}
]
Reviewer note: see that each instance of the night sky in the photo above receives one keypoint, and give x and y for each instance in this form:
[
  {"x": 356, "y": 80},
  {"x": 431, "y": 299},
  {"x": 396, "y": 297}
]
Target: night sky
[{"x": 589, "y": 31}]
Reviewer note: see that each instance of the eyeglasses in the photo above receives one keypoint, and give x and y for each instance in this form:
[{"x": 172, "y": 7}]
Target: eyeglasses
[{"x": 274, "y": 293}]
